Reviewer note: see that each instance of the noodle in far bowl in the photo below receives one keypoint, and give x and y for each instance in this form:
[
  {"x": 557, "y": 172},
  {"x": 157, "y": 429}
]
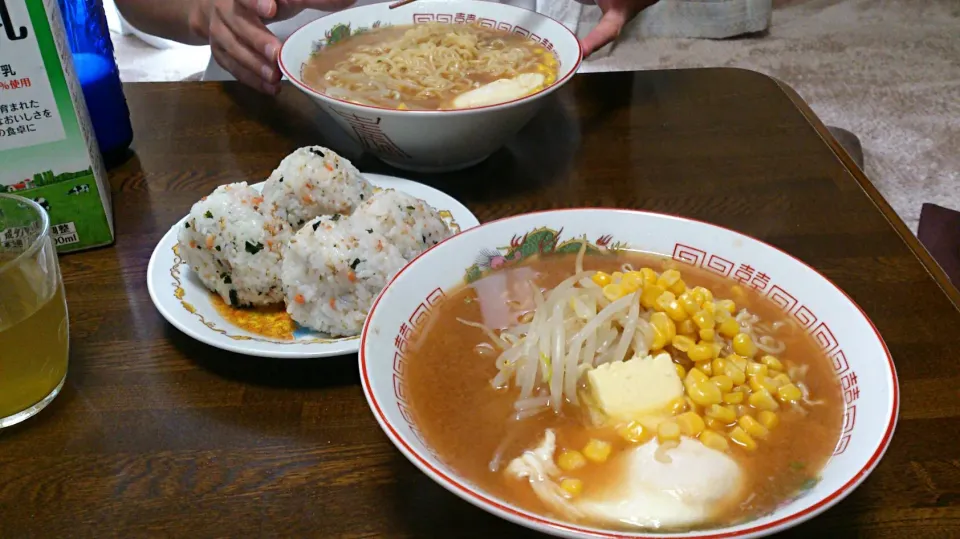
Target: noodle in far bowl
[{"x": 431, "y": 86}]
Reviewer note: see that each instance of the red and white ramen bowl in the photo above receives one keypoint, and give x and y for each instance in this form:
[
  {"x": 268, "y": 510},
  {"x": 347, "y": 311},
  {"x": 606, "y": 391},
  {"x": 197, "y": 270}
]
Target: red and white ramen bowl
[
  {"x": 860, "y": 358},
  {"x": 431, "y": 141}
]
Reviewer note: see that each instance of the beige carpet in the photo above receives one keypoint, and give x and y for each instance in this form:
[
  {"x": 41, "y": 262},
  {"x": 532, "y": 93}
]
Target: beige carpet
[{"x": 887, "y": 70}]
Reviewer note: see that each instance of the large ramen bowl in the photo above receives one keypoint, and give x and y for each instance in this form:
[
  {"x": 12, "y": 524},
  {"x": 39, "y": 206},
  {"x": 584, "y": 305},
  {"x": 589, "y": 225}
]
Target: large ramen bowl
[
  {"x": 430, "y": 141},
  {"x": 861, "y": 361}
]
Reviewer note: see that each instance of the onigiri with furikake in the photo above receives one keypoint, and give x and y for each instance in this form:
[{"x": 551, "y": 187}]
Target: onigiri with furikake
[
  {"x": 314, "y": 181},
  {"x": 335, "y": 266},
  {"x": 233, "y": 247}
]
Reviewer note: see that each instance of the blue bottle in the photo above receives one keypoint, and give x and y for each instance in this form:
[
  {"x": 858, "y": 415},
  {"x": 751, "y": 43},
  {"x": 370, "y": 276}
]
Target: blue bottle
[{"x": 86, "y": 26}]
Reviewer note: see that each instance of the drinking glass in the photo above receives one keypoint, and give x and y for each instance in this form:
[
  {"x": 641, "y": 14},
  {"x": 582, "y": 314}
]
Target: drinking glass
[{"x": 34, "y": 333}]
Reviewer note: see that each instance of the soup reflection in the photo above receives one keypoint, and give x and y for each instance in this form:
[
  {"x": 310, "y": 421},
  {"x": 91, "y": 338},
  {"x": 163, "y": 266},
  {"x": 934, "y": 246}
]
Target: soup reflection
[{"x": 615, "y": 391}]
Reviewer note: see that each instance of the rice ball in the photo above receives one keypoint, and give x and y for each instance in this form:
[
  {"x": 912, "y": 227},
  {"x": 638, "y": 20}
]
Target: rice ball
[
  {"x": 233, "y": 248},
  {"x": 407, "y": 222},
  {"x": 336, "y": 265},
  {"x": 314, "y": 181}
]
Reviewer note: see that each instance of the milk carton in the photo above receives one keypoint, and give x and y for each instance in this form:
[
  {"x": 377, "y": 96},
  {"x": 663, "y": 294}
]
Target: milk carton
[{"x": 47, "y": 147}]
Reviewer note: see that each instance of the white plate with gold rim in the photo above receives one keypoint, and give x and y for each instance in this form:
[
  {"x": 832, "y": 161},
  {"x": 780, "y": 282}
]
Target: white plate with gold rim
[{"x": 190, "y": 307}]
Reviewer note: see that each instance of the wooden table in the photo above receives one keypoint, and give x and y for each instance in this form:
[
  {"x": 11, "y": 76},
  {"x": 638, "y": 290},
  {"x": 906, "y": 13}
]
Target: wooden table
[{"x": 158, "y": 435}]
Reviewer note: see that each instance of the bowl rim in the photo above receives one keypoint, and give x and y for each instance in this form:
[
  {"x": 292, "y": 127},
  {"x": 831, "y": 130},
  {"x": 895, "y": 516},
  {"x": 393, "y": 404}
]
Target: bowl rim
[
  {"x": 504, "y": 510},
  {"x": 295, "y": 79}
]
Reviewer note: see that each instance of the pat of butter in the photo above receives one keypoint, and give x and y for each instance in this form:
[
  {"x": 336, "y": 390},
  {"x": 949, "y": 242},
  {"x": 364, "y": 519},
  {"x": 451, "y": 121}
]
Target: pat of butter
[
  {"x": 630, "y": 390},
  {"x": 500, "y": 91}
]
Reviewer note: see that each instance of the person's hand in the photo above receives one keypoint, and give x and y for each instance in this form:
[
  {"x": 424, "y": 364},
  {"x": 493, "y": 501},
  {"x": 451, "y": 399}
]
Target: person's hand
[
  {"x": 616, "y": 14},
  {"x": 239, "y": 39}
]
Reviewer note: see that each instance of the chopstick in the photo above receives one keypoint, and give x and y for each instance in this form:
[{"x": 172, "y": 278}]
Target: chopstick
[{"x": 400, "y": 3}]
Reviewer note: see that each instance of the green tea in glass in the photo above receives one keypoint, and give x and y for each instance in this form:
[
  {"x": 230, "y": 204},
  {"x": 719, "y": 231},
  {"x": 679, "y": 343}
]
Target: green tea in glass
[{"x": 34, "y": 333}]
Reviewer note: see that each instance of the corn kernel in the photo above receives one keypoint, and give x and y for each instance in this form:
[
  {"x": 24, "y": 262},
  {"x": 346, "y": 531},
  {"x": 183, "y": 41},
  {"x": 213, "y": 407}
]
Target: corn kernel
[
  {"x": 713, "y": 423},
  {"x": 741, "y": 438},
  {"x": 729, "y": 328},
  {"x": 681, "y": 372},
  {"x": 678, "y": 287},
  {"x": 704, "y": 320},
  {"x": 601, "y": 278},
  {"x": 719, "y": 365},
  {"x": 739, "y": 361},
  {"x": 690, "y": 423},
  {"x": 743, "y": 345},
  {"x": 755, "y": 369},
  {"x": 648, "y": 298},
  {"x": 667, "y": 431},
  {"x": 707, "y": 335},
  {"x": 704, "y": 367},
  {"x": 706, "y": 294},
  {"x": 762, "y": 400},
  {"x": 772, "y": 362},
  {"x": 664, "y": 330},
  {"x": 709, "y": 307},
  {"x": 760, "y": 381},
  {"x": 700, "y": 352},
  {"x": 687, "y": 327},
  {"x": 735, "y": 374},
  {"x": 675, "y": 311},
  {"x": 696, "y": 376},
  {"x": 721, "y": 413},
  {"x": 572, "y": 486},
  {"x": 668, "y": 278},
  {"x": 664, "y": 301},
  {"x": 782, "y": 378},
  {"x": 613, "y": 291},
  {"x": 768, "y": 419},
  {"x": 682, "y": 343},
  {"x": 689, "y": 303},
  {"x": 770, "y": 384},
  {"x": 713, "y": 440},
  {"x": 752, "y": 427},
  {"x": 570, "y": 460},
  {"x": 741, "y": 409},
  {"x": 631, "y": 282},
  {"x": 597, "y": 450},
  {"x": 717, "y": 349},
  {"x": 705, "y": 393},
  {"x": 678, "y": 405},
  {"x": 723, "y": 382},
  {"x": 789, "y": 393},
  {"x": 727, "y": 305},
  {"x": 617, "y": 275},
  {"x": 698, "y": 296},
  {"x": 734, "y": 397},
  {"x": 634, "y": 433},
  {"x": 649, "y": 276}
]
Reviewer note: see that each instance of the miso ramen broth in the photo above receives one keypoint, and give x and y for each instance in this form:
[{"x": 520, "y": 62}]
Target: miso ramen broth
[
  {"x": 757, "y": 399},
  {"x": 432, "y": 66}
]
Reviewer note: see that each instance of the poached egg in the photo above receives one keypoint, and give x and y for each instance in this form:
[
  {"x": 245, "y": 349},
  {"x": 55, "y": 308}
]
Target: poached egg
[{"x": 639, "y": 490}]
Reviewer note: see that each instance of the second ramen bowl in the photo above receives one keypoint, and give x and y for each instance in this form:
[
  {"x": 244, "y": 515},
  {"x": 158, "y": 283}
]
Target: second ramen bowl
[
  {"x": 411, "y": 303},
  {"x": 431, "y": 141}
]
